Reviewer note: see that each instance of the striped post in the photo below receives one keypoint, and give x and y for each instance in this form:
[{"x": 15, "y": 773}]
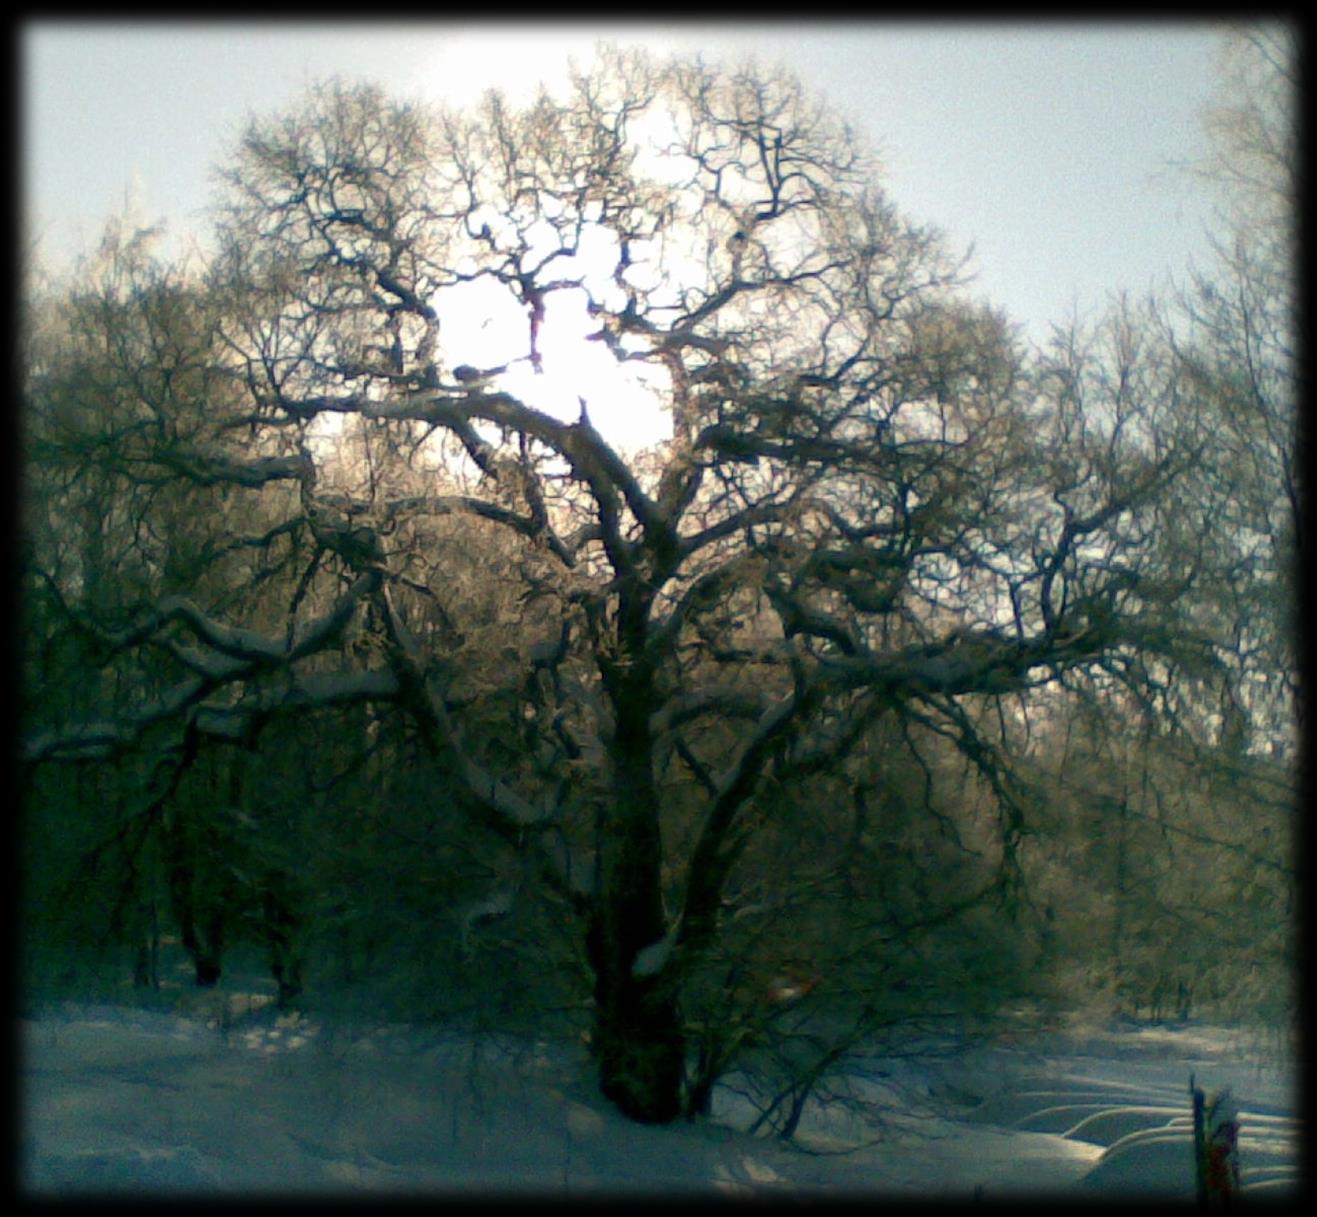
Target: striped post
[
  {"x": 1216, "y": 1146},
  {"x": 1200, "y": 1144},
  {"x": 1222, "y": 1146}
]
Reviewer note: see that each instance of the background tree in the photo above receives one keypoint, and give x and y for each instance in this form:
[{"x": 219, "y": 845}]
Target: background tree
[
  {"x": 119, "y": 368},
  {"x": 1237, "y": 331},
  {"x": 814, "y": 612}
]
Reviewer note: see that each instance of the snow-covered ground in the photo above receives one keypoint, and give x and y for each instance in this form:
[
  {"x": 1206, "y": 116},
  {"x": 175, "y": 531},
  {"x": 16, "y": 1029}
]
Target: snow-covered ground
[{"x": 124, "y": 1100}]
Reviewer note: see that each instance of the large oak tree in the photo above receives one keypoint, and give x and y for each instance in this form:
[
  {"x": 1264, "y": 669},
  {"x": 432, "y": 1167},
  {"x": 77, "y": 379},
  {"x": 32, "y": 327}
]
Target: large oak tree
[{"x": 872, "y": 509}]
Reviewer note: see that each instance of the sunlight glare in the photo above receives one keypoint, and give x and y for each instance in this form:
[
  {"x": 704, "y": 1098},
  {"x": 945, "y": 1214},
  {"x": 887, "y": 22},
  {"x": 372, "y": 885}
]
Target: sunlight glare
[
  {"x": 486, "y": 327},
  {"x": 622, "y": 407}
]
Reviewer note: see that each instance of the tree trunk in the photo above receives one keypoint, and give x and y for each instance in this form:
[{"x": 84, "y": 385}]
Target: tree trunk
[
  {"x": 708, "y": 1069},
  {"x": 205, "y": 946},
  {"x": 280, "y": 927},
  {"x": 638, "y": 1037},
  {"x": 146, "y": 967},
  {"x": 201, "y": 928}
]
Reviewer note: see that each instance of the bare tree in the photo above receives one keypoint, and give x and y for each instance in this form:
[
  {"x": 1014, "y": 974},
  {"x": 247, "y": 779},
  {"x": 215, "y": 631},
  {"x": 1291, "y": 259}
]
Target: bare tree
[
  {"x": 871, "y": 510},
  {"x": 1237, "y": 332}
]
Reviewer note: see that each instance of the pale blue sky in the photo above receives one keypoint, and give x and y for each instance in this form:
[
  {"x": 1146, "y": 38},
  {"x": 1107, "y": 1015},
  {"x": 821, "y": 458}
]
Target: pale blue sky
[{"x": 1048, "y": 146}]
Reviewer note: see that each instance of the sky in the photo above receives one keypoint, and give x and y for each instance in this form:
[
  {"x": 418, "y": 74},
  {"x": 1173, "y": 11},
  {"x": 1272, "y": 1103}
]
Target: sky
[{"x": 1050, "y": 148}]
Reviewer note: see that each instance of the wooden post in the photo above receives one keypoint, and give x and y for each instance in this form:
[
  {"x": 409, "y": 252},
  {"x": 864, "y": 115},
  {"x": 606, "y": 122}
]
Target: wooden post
[
  {"x": 1222, "y": 1144},
  {"x": 1216, "y": 1146},
  {"x": 1200, "y": 1145}
]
